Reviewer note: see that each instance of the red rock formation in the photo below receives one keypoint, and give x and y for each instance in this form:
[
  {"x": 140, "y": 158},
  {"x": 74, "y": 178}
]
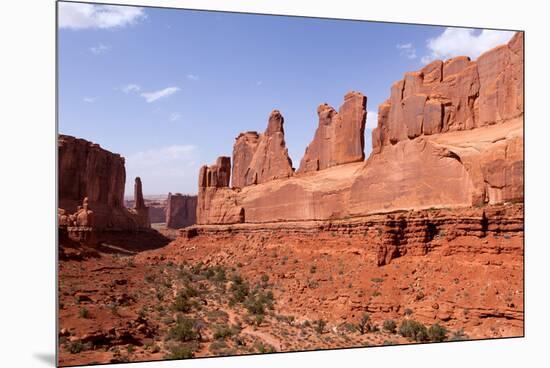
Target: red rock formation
[
  {"x": 139, "y": 203},
  {"x": 216, "y": 202},
  {"x": 88, "y": 172},
  {"x": 457, "y": 94},
  {"x": 258, "y": 158},
  {"x": 181, "y": 210},
  {"x": 140, "y": 211},
  {"x": 432, "y": 149},
  {"x": 339, "y": 139}
]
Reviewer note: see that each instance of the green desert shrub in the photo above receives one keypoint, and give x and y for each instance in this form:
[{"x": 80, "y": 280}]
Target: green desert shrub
[
  {"x": 413, "y": 330},
  {"x": 184, "y": 330},
  {"x": 75, "y": 347},
  {"x": 389, "y": 325},
  {"x": 180, "y": 352},
  {"x": 437, "y": 333},
  {"x": 363, "y": 325},
  {"x": 319, "y": 326}
]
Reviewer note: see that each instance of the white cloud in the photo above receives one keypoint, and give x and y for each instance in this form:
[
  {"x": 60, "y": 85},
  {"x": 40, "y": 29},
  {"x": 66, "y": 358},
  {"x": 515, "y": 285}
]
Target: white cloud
[
  {"x": 372, "y": 119},
  {"x": 99, "y": 49},
  {"x": 89, "y": 99},
  {"x": 89, "y": 16},
  {"x": 407, "y": 50},
  {"x": 171, "y": 168},
  {"x": 153, "y": 157},
  {"x": 174, "y": 116},
  {"x": 131, "y": 88},
  {"x": 155, "y": 95},
  {"x": 192, "y": 77},
  {"x": 463, "y": 41}
]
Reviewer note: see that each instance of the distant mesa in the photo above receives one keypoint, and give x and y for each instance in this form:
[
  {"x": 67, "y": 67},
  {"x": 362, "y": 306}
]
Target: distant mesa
[{"x": 180, "y": 210}]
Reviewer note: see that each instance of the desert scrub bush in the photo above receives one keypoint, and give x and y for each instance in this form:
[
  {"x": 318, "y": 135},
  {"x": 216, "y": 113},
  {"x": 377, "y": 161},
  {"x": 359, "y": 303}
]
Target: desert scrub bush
[
  {"x": 216, "y": 347},
  {"x": 184, "y": 330},
  {"x": 413, "y": 330},
  {"x": 75, "y": 347},
  {"x": 224, "y": 331},
  {"x": 217, "y": 315},
  {"x": 319, "y": 326},
  {"x": 180, "y": 352},
  {"x": 286, "y": 319},
  {"x": 437, "y": 333},
  {"x": 377, "y": 279},
  {"x": 347, "y": 327},
  {"x": 183, "y": 302},
  {"x": 258, "y": 303},
  {"x": 239, "y": 289},
  {"x": 459, "y": 335},
  {"x": 313, "y": 269},
  {"x": 363, "y": 326},
  {"x": 408, "y": 311},
  {"x": 264, "y": 348},
  {"x": 259, "y": 319},
  {"x": 83, "y": 313},
  {"x": 389, "y": 325}
]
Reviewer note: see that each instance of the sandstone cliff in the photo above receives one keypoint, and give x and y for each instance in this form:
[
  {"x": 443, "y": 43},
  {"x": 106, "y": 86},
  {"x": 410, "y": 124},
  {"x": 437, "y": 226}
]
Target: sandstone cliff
[
  {"x": 92, "y": 177},
  {"x": 340, "y": 137},
  {"x": 180, "y": 210},
  {"x": 258, "y": 158},
  {"x": 451, "y": 135}
]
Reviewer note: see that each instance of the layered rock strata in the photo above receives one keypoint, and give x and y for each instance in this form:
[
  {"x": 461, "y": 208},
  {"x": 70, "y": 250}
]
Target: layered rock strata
[
  {"x": 491, "y": 229},
  {"x": 457, "y": 94}
]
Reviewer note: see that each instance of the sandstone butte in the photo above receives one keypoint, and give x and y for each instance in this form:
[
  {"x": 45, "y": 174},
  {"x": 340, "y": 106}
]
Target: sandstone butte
[
  {"x": 180, "y": 210},
  {"x": 449, "y": 136},
  {"x": 91, "y": 191}
]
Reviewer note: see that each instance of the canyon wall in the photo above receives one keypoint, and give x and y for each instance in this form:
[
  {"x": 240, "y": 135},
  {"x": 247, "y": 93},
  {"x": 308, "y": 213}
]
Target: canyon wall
[
  {"x": 449, "y": 136},
  {"x": 91, "y": 185},
  {"x": 180, "y": 210}
]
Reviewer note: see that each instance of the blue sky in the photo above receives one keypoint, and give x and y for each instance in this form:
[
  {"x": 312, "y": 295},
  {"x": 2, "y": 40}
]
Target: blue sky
[{"x": 171, "y": 89}]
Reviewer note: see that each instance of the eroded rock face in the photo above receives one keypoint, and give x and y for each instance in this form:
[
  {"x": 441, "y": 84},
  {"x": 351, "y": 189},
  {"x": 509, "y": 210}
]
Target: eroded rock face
[
  {"x": 432, "y": 149},
  {"x": 216, "y": 202},
  {"x": 140, "y": 211},
  {"x": 87, "y": 170},
  {"x": 458, "y": 94},
  {"x": 339, "y": 138},
  {"x": 181, "y": 210},
  {"x": 258, "y": 158},
  {"x": 94, "y": 177}
]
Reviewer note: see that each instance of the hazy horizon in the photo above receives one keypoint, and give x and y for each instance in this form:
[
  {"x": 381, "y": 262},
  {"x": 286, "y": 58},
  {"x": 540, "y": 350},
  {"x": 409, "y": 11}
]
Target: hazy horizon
[{"x": 171, "y": 89}]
